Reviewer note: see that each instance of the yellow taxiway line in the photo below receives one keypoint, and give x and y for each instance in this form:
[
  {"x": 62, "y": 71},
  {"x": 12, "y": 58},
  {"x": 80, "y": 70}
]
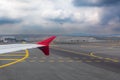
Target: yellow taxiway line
[
  {"x": 96, "y": 56},
  {"x": 12, "y": 55},
  {"x": 70, "y": 51},
  {"x": 19, "y": 60},
  {"x": 8, "y": 59},
  {"x": 91, "y": 54},
  {"x": 114, "y": 60}
]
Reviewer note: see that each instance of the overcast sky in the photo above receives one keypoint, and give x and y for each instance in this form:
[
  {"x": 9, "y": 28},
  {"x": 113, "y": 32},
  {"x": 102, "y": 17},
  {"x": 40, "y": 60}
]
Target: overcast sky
[{"x": 60, "y": 16}]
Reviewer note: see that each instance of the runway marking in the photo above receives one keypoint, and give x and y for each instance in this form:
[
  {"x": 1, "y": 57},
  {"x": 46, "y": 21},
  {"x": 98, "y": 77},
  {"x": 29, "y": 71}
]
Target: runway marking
[
  {"x": 71, "y": 51},
  {"x": 60, "y": 57},
  {"x": 70, "y": 61},
  {"x": 34, "y": 57},
  {"x": 96, "y": 56},
  {"x": 78, "y": 61},
  {"x": 41, "y": 60},
  {"x": 97, "y": 61},
  {"x": 90, "y": 55},
  {"x": 110, "y": 59},
  {"x": 116, "y": 60},
  {"x": 19, "y": 60},
  {"x": 61, "y": 61},
  {"x": 92, "y": 58},
  {"x": 12, "y": 55},
  {"x": 52, "y": 57},
  {"x": 43, "y": 57},
  {"x": 88, "y": 61},
  {"x": 32, "y": 61},
  {"x": 67, "y": 58},
  {"x": 8, "y": 59},
  {"x": 23, "y": 61},
  {"x": 76, "y": 58},
  {"x": 51, "y": 61}
]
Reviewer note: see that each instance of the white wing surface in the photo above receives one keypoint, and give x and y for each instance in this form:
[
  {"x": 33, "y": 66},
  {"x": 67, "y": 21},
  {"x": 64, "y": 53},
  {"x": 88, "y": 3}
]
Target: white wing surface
[
  {"x": 17, "y": 47},
  {"x": 42, "y": 45}
]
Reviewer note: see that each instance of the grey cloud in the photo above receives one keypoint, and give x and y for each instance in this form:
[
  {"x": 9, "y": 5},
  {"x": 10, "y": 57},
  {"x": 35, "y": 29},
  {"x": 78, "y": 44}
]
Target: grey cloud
[
  {"x": 37, "y": 29},
  {"x": 32, "y": 20},
  {"x": 109, "y": 14},
  {"x": 4, "y": 20},
  {"x": 98, "y": 3},
  {"x": 117, "y": 29},
  {"x": 65, "y": 20}
]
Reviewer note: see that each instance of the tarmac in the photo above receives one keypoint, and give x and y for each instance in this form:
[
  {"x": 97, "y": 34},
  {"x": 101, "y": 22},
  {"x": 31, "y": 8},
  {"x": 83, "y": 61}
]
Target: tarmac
[{"x": 66, "y": 62}]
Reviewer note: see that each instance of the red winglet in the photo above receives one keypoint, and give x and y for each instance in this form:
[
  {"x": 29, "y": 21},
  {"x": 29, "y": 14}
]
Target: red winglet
[{"x": 46, "y": 42}]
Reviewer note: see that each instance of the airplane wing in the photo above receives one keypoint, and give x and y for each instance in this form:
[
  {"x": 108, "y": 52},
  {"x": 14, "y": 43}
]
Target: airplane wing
[{"x": 42, "y": 45}]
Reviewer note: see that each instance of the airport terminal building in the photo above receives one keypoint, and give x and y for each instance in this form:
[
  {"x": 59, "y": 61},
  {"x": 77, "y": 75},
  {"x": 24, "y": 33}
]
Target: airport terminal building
[{"x": 76, "y": 39}]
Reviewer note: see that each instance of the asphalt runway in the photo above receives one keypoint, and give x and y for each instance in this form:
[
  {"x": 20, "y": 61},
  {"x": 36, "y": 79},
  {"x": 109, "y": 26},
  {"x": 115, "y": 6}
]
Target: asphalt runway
[{"x": 63, "y": 64}]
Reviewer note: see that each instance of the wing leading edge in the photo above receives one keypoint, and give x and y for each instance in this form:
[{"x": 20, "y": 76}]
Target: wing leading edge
[{"x": 42, "y": 45}]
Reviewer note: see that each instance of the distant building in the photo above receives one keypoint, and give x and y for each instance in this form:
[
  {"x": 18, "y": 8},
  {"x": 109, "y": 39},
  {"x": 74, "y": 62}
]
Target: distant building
[
  {"x": 7, "y": 39},
  {"x": 76, "y": 39},
  {"x": 11, "y": 39}
]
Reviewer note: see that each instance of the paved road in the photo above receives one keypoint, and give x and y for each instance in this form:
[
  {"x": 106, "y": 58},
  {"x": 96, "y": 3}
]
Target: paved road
[{"x": 63, "y": 64}]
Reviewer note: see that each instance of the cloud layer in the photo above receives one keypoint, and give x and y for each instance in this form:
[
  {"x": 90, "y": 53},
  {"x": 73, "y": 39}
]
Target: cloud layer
[
  {"x": 98, "y": 3},
  {"x": 60, "y": 16}
]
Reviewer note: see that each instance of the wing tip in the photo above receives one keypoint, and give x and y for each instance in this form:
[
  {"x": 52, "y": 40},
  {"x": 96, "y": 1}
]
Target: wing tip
[{"x": 46, "y": 42}]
